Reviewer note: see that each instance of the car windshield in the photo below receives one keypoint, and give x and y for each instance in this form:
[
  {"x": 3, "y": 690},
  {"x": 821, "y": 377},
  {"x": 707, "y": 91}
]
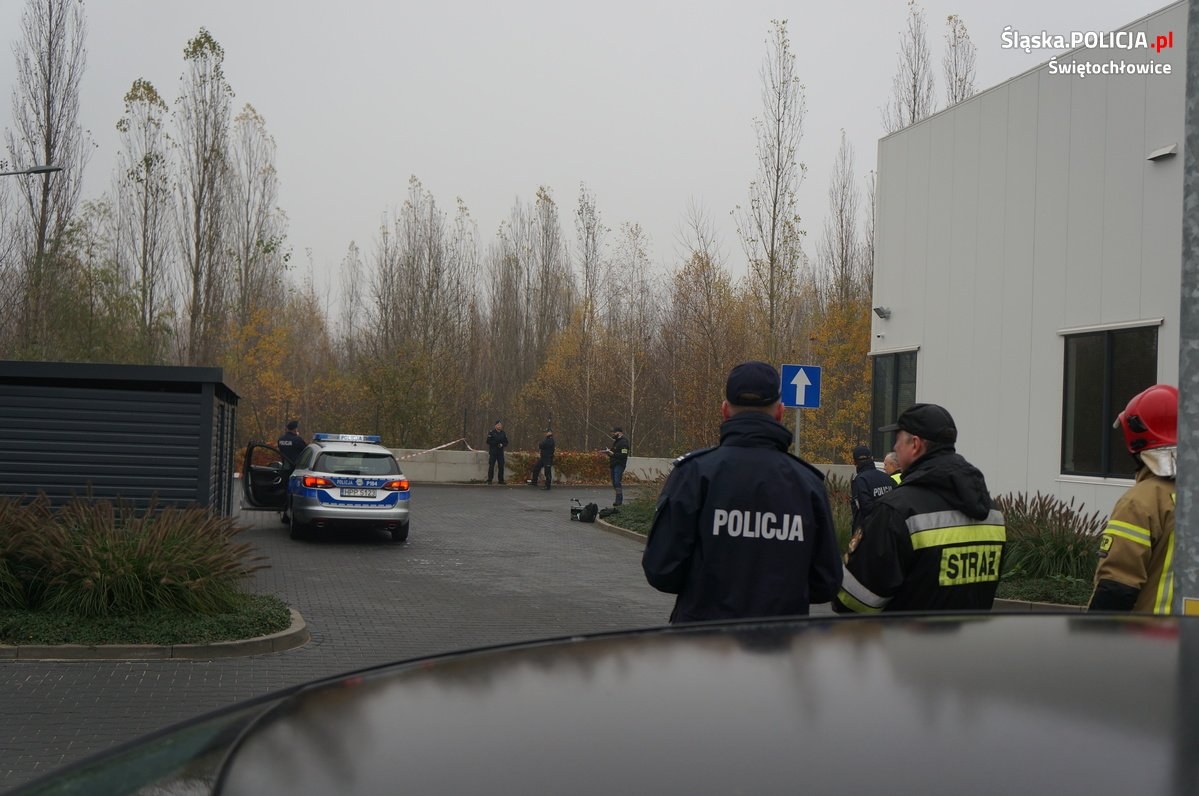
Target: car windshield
[{"x": 356, "y": 463}]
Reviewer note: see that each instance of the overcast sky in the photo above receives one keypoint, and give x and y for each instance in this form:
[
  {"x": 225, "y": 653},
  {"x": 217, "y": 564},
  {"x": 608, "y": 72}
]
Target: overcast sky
[{"x": 650, "y": 103}]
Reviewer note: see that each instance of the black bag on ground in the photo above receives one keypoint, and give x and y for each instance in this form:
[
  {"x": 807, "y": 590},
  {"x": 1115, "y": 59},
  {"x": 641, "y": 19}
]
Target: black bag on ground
[{"x": 589, "y": 513}]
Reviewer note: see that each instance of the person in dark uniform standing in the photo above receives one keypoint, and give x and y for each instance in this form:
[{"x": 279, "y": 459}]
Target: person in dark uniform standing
[
  {"x": 291, "y": 445},
  {"x": 869, "y": 484},
  {"x": 497, "y": 440},
  {"x": 934, "y": 542},
  {"x": 546, "y": 461},
  {"x": 744, "y": 529},
  {"x": 618, "y": 459}
]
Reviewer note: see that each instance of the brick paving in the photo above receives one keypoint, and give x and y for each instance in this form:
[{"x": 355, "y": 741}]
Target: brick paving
[{"x": 483, "y": 565}]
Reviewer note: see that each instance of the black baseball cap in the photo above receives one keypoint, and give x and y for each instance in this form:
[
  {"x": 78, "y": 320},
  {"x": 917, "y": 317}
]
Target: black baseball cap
[
  {"x": 927, "y": 421},
  {"x": 752, "y": 383},
  {"x": 862, "y": 454},
  {"x": 292, "y": 425}
]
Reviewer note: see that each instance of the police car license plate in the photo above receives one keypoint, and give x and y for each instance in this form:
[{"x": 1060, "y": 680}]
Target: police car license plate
[{"x": 350, "y": 492}]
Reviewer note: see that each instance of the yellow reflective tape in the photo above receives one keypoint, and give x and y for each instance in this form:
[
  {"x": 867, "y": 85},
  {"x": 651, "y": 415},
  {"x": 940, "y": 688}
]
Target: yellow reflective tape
[
  {"x": 1137, "y": 538},
  {"x": 854, "y": 604},
  {"x": 958, "y": 534},
  {"x": 1163, "y": 601},
  {"x": 1128, "y": 527},
  {"x": 972, "y": 564}
]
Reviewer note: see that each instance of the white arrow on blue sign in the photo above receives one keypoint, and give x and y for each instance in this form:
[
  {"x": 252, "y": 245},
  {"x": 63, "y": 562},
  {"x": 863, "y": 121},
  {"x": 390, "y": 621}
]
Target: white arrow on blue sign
[{"x": 801, "y": 386}]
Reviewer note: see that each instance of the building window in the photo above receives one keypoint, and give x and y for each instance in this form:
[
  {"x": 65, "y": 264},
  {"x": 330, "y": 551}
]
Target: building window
[
  {"x": 1104, "y": 369},
  {"x": 894, "y": 388}
]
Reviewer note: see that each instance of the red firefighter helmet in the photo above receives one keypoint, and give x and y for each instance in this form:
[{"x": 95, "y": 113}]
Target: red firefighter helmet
[{"x": 1151, "y": 419}]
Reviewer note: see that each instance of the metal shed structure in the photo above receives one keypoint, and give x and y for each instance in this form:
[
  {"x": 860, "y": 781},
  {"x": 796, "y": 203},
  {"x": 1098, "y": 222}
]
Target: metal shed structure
[{"x": 117, "y": 431}]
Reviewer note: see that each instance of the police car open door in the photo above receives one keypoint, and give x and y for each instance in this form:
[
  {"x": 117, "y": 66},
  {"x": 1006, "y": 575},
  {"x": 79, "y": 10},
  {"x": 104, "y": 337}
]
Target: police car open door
[{"x": 264, "y": 477}]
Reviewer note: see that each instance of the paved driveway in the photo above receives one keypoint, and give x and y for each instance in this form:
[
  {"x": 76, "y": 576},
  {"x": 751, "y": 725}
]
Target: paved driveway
[{"x": 483, "y": 565}]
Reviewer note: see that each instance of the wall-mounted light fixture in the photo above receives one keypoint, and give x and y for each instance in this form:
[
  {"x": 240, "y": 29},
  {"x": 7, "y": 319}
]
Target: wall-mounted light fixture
[
  {"x": 883, "y": 312},
  {"x": 1163, "y": 153}
]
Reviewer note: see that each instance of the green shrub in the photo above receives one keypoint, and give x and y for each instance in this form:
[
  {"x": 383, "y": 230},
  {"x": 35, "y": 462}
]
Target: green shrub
[
  {"x": 93, "y": 558},
  {"x": 574, "y": 467},
  {"x": 1048, "y": 538}
]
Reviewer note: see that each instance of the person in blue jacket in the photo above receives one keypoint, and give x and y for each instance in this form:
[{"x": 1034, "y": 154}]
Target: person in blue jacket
[{"x": 744, "y": 529}]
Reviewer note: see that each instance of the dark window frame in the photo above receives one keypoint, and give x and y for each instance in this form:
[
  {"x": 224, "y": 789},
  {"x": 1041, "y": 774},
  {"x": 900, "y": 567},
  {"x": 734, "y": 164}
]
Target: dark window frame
[
  {"x": 900, "y": 394},
  {"x": 1112, "y": 461}
]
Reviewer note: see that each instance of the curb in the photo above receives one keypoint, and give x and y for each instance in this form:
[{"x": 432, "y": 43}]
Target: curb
[
  {"x": 625, "y": 532},
  {"x": 294, "y": 636}
]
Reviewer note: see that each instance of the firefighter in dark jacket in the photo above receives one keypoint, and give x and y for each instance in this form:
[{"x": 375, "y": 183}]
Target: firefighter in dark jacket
[
  {"x": 1136, "y": 550},
  {"x": 546, "y": 461},
  {"x": 497, "y": 440},
  {"x": 869, "y": 484},
  {"x": 934, "y": 542},
  {"x": 744, "y": 529}
]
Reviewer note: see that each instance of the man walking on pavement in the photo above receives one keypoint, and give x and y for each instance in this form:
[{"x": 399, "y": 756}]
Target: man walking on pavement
[
  {"x": 744, "y": 529},
  {"x": 546, "y": 461},
  {"x": 934, "y": 542},
  {"x": 497, "y": 440}
]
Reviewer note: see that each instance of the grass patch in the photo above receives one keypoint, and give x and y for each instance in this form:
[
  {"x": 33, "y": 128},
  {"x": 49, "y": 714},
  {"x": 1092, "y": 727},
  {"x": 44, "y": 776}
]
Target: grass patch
[
  {"x": 1060, "y": 590},
  {"x": 249, "y": 616},
  {"x": 638, "y": 514}
]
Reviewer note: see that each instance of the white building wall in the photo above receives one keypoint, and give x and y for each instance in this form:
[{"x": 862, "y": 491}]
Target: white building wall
[{"x": 1026, "y": 210}]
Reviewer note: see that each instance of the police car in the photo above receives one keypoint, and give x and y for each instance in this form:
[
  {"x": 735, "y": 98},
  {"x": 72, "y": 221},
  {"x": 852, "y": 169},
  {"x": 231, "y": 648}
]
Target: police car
[{"x": 340, "y": 480}]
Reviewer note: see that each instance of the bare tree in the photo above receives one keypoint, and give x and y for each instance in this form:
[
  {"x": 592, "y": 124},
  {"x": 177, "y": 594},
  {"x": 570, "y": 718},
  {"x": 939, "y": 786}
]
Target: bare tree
[
  {"x": 590, "y": 234},
  {"x": 769, "y": 226},
  {"x": 257, "y": 226},
  {"x": 840, "y": 250},
  {"x": 958, "y": 61},
  {"x": 50, "y": 60},
  {"x": 912, "y": 86},
  {"x": 202, "y": 119},
  {"x": 144, "y": 189}
]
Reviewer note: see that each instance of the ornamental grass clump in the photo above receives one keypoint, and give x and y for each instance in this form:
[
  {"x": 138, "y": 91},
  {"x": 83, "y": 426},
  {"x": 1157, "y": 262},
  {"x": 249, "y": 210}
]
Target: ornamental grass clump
[
  {"x": 1048, "y": 538},
  {"x": 93, "y": 558},
  {"x": 840, "y": 491}
]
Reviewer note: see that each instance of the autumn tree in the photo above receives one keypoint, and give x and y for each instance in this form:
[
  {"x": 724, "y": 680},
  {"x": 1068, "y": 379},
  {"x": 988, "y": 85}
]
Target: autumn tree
[
  {"x": 421, "y": 288},
  {"x": 912, "y": 86},
  {"x": 840, "y": 336},
  {"x": 704, "y": 333},
  {"x": 769, "y": 225},
  {"x": 50, "y": 61},
  {"x": 202, "y": 121},
  {"x": 257, "y": 238},
  {"x": 591, "y": 242},
  {"x": 144, "y": 194},
  {"x": 958, "y": 61}
]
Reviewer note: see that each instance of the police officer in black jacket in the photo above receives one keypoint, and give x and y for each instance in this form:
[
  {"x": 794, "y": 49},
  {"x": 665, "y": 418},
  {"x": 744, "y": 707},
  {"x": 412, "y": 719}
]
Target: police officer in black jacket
[
  {"x": 744, "y": 529},
  {"x": 497, "y": 440},
  {"x": 291, "y": 444},
  {"x": 869, "y": 484},
  {"x": 545, "y": 461}
]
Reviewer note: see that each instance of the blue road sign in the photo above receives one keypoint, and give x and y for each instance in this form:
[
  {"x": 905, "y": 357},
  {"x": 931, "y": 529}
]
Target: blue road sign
[{"x": 801, "y": 386}]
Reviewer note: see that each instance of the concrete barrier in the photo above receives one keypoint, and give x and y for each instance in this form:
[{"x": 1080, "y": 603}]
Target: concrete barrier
[{"x": 431, "y": 467}]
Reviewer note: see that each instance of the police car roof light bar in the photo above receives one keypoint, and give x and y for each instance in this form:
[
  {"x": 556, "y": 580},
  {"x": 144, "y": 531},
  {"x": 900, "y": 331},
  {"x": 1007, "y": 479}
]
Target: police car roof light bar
[{"x": 375, "y": 438}]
